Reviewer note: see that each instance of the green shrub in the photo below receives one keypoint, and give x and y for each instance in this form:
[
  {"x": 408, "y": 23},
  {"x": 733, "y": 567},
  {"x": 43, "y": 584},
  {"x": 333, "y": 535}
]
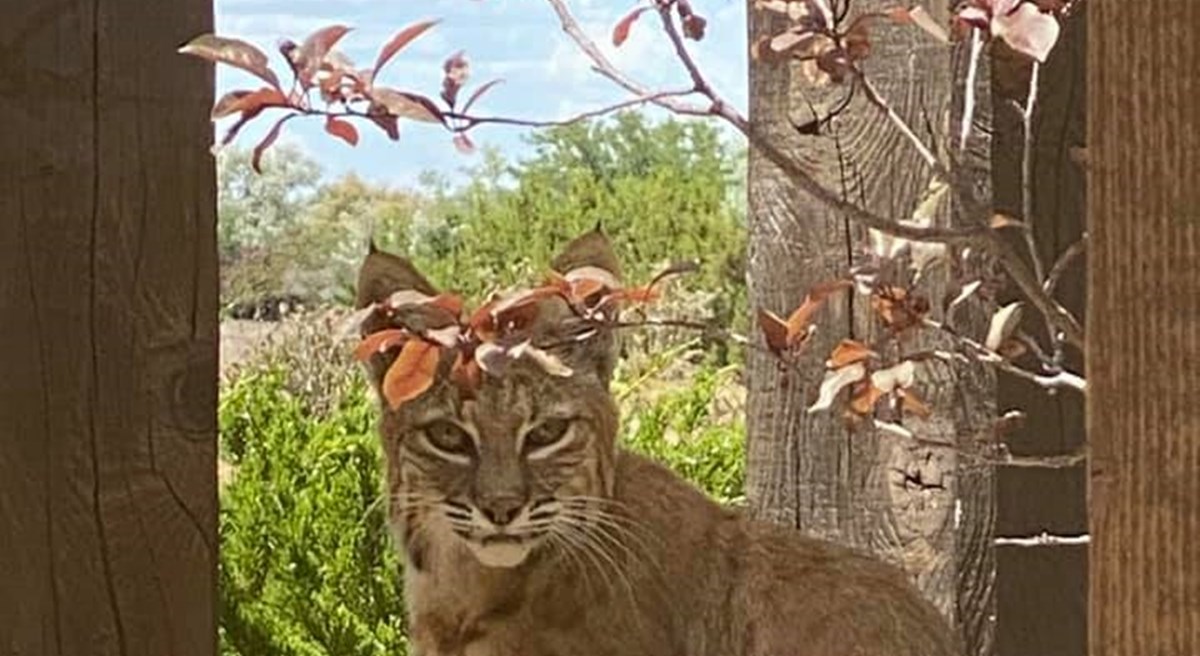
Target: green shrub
[{"x": 307, "y": 565}]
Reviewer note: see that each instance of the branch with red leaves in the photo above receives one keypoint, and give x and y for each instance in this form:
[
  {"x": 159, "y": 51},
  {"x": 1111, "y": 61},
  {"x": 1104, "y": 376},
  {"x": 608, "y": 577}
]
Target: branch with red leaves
[
  {"x": 425, "y": 330},
  {"x": 831, "y": 54},
  {"x": 351, "y": 95},
  {"x": 872, "y": 383}
]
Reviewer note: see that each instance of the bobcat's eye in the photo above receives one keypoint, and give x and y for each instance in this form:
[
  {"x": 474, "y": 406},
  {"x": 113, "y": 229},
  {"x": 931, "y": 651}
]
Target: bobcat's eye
[
  {"x": 448, "y": 437},
  {"x": 547, "y": 433}
]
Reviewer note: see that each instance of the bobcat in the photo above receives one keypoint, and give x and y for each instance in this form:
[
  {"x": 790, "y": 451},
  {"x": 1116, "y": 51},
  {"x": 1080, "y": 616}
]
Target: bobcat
[{"x": 528, "y": 531}]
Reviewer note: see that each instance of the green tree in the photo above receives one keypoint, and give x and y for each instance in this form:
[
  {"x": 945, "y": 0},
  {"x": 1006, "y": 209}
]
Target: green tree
[
  {"x": 255, "y": 209},
  {"x": 662, "y": 190}
]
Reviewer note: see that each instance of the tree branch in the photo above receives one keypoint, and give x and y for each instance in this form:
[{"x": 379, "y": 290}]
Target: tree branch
[
  {"x": 1027, "y": 170},
  {"x": 651, "y": 98},
  {"x": 980, "y": 236},
  {"x": 1055, "y": 381},
  {"x": 1064, "y": 261},
  {"x": 1044, "y": 539}
]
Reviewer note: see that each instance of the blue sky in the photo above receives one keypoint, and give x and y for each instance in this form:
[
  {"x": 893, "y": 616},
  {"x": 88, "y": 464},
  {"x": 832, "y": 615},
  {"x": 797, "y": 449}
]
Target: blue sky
[{"x": 518, "y": 40}]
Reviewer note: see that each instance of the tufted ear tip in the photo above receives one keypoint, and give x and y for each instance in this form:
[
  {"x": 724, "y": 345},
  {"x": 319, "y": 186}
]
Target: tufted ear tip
[
  {"x": 383, "y": 274},
  {"x": 592, "y": 248}
]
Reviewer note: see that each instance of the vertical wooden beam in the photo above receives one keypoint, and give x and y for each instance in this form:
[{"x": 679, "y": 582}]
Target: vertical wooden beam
[
  {"x": 1143, "y": 330},
  {"x": 108, "y": 362}
]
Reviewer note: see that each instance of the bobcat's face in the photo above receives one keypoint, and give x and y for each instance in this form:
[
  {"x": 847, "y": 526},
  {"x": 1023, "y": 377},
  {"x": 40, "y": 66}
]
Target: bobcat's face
[
  {"x": 529, "y": 459},
  {"x": 504, "y": 473}
]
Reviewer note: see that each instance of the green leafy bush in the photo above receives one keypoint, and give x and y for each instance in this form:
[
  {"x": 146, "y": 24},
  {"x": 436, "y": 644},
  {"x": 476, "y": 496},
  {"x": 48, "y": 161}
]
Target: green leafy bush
[{"x": 307, "y": 565}]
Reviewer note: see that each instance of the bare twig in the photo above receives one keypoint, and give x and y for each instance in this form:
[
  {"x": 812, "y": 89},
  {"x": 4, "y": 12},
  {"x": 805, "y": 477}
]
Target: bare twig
[
  {"x": 1029, "y": 285},
  {"x": 604, "y": 67},
  {"x": 900, "y": 124},
  {"x": 1064, "y": 261},
  {"x": 681, "y": 51},
  {"x": 1001, "y": 459},
  {"x": 1063, "y": 461},
  {"x": 652, "y": 98},
  {"x": 1055, "y": 381},
  {"x": 1043, "y": 539},
  {"x": 968, "y": 116},
  {"x": 1027, "y": 171}
]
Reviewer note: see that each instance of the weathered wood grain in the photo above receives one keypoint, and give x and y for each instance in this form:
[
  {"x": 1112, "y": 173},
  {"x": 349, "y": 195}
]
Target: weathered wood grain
[
  {"x": 1143, "y": 331},
  {"x": 108, "y": 358},
  {"x": 910, "y": 504}
]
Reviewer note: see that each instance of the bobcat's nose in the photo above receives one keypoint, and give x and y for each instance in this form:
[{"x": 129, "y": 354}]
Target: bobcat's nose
[{"x": 501, "y": 510}]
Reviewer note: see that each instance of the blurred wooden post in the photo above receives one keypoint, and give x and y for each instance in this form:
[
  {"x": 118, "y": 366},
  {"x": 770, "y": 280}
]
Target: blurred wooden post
[
  {"x": 108, "y": 362},
  {"x": 1143, "y": 362}
]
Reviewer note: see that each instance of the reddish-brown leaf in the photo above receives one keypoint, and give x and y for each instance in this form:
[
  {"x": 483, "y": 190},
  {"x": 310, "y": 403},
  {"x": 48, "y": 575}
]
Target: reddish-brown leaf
[
  {"x": 693, "y": 27},
  {"x": 343, "y": 130},
  {"x": 449, "y": 302},
  {"x": 242, "y": 100},
  {"x": 556, "y": 279},
  {"x": 456, "y": 70},
  {"x": 847, "y": 352},
  {"x": 482, "y": 322},
  {"x": 799, "y": 320},
  {"x": 256, "y": 158},
  {"x": 234, "y": 52},
  {"x": 482, "y": 89},
  {"x": 863, "y": 397},
  {"x": 517, "y": 313},
  {"x": 389, "y": 124},
  {"x": 858, "y": 38},
  {"x": 899, "y": 310},
  {"x": 412, "y": 373},
  {"x": 233, "y": 130},
  {"x": 775, "y": 330},
  {"x": 621, "y": 30},
  {"x": 463, "y": 143},
  {"x": 912, "y": 404},
  {"x": 406, "y": 105},
  {"x": 398, "y": 42},
  {"x": 466, "y": 374},
  {"x": 308, "y": 57},
  {"x": 379, "y": 342}
]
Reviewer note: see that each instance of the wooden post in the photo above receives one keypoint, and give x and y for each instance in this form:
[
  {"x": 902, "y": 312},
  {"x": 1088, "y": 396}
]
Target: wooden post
[
  {"x": 1143, "y": 329},
  {"x": 912, "y": 505},
  {"x": 108, "y": 362}
]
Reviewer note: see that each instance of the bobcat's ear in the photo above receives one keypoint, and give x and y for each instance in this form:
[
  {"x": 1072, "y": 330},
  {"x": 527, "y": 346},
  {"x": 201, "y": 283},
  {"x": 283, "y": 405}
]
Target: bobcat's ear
[
  {"x": 383, "y": 274},
  {"x": 598, "y": 352},
  {"x": 591, "y": 249}
]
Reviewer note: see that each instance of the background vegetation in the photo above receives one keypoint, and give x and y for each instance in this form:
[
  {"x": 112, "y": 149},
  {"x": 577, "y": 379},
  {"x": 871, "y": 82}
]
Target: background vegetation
[{"x": 307, "y": 566}]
